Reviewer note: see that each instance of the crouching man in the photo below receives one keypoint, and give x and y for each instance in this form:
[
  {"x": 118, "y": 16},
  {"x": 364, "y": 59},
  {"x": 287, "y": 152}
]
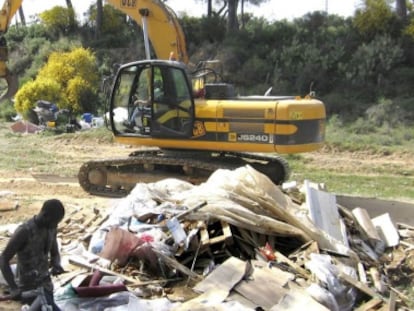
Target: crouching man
[{"x": 34, "y": 242}]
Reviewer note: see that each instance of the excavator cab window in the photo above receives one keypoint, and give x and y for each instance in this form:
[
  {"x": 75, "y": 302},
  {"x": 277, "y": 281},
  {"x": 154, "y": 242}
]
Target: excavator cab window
[
  {"x": 152, "y": 99},
  {"x": 131, "y": 94},
  {"x": 173, "y": 104}
]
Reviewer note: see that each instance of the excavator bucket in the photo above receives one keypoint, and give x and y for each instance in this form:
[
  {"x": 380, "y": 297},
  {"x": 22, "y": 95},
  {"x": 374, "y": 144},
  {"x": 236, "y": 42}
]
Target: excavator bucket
[
  {"x": 12, "y": 85},
  {"x": 11, "y": 79}
]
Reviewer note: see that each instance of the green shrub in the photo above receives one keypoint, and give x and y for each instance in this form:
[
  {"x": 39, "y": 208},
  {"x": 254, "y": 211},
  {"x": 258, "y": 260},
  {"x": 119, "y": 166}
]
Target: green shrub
[
  {"x": 385, "y": 113},
  {"x": 7, "y": 111},
  {"x": 361, "y": 126}
]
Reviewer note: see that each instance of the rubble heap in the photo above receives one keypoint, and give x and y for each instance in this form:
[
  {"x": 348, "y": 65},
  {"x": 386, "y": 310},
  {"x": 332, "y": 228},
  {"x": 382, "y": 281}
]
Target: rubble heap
[{"x": 237, "y": 242}]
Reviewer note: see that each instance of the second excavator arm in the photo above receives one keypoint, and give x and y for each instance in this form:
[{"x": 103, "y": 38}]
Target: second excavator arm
[{"x": 7, "y": 12}]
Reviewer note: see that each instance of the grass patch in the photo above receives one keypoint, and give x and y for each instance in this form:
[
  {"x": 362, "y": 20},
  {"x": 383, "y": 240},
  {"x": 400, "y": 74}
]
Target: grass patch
[
  {"x": 371, "y": 171},
  {"x": 102, "y": 135},
  {"x": 47, "y": 152},
  {"x": 364, "y": 136},
  {"x": 380, "y": 186}
]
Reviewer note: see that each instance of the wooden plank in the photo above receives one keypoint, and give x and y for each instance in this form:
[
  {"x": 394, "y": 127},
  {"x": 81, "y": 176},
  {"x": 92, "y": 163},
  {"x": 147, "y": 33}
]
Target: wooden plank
[
  {"x": 403, "y": 225},
  {"x": 384, "y": 307},
  {"x": 93, "y": 227},
  {"x": 226, "y": 237},
  {"x": 282, "y": 258},
  {"x": 376, "y": 277},
  {"x": 169, "y": 261},
  {"x": 190, "y": 210},
  {"x": 367, "y": 227},
  {"x": 227, "y": 232},
  {"x": 361, "y": 273},
  {"x": 406, "y": 244},
  {"x": 357, "y": 284},
  {"x": 369, "y": 305},
  {"x": 392, "y": 301},
  {"x": 81, "y": 262},
  {"x": 63, "y": 279},
  {"x": 204, "y": 237},
  {"x": 345, "y": 212}
]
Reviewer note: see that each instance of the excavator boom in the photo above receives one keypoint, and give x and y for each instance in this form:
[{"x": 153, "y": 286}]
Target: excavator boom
[
  {"x": 159, "y": 23},
  {"x": 8, "y": 10}
]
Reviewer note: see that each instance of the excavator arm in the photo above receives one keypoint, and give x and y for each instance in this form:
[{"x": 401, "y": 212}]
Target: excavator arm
[
  {"x": 8, "y": 10},
  {"x": 160, "y": 26}
]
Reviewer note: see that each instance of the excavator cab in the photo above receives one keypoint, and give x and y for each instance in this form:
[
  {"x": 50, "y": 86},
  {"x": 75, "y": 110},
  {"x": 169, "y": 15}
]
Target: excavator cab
[{"x": 152, "y": 98}]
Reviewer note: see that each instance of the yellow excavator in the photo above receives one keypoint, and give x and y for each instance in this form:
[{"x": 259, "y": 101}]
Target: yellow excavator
[
  {"x": 6, "y": 14},
  {"x": 194, "y": 123}
]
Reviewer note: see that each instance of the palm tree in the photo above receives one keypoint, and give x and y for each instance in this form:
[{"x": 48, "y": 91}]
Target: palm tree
[{"x": 72, "y": 15}]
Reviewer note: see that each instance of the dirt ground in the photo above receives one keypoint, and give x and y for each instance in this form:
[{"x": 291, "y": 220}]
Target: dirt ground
[{"x": 22, "y": 191}]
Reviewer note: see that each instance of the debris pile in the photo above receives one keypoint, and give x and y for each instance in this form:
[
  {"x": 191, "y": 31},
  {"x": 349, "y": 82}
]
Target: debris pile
[{"x": 235, "y": 242}]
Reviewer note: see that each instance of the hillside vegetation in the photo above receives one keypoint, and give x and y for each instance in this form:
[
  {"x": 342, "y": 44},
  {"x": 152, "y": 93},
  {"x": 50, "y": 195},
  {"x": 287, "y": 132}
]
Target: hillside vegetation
[{"x": 361, "y": 67}]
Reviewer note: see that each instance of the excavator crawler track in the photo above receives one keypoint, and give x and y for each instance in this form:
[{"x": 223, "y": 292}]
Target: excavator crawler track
[{"x": 117, "y": 177}]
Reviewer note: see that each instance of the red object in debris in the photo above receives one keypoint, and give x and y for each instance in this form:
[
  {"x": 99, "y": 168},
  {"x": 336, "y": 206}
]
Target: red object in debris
[
  {"x": 147, "y": 238},
  {"x": 119, "y": 244},
  {"x": 25, "y": 127},
  {"x": 90, "y": 287},
  {"x": 268, "y": 252},
  {"x": 96, "y": 277}
]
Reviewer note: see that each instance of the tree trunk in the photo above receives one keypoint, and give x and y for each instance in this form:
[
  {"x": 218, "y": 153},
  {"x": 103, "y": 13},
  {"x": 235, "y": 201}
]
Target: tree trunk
[
  {"x": 72, "y": 14},
  {"x": 242, "y": 14},
  {"x": 402, "y": 9},
  {"x": 22, "y": 17},
  {"x": 232, "y": 23},
  {"x": 69, "y": 4},
  {"x": 209, "y": 8},
  {"x": 99, "y": 18}
]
